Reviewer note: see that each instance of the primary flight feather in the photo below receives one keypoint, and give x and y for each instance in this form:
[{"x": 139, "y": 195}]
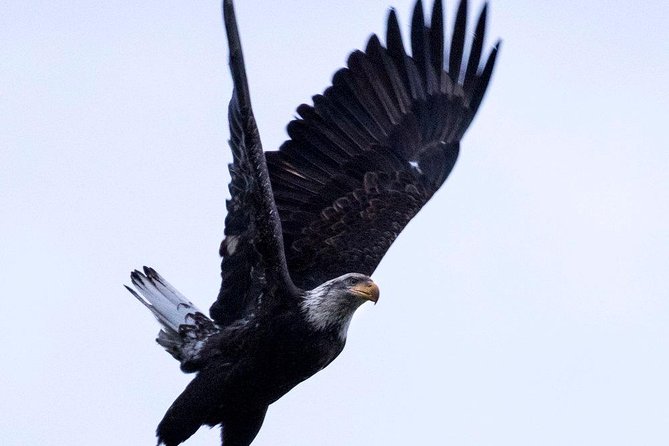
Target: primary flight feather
[{"x": 308, "y": 224}]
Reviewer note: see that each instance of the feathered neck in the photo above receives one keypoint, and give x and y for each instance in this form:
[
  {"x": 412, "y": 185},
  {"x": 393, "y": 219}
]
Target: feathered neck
[{"x": 327, "y": 307}]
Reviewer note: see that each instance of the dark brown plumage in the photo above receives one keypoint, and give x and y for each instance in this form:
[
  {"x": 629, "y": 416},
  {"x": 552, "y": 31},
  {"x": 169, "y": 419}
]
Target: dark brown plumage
[{"x": 307, "y": 224}]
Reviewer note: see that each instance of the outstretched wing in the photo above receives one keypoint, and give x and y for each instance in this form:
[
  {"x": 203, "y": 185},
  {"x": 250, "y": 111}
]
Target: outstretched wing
[
  {"x": 376, "y": 145},
  {"x": 253, "y": 263}
]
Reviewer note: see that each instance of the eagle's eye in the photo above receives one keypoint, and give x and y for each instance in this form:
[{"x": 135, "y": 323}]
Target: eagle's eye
[{"x": 350, "y": 281}]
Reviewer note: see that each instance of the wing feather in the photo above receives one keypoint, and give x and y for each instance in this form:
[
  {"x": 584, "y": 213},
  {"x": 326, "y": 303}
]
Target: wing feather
[
  {"x": 458, "y": 42},
  {"x": 436, "y": 31},
  {"x": 254, "y": 262},
  {"x": 476, "y": 49},
  {"x": 376, "y": 145}
]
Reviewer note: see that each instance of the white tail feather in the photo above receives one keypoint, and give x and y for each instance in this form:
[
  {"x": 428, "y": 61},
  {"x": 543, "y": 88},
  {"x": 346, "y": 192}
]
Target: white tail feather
[
  {"x": 168, "y": 305},
  {"x": 185, "y": 329}
]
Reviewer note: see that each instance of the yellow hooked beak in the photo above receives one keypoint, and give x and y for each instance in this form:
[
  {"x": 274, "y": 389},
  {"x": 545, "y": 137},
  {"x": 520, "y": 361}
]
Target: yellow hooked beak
[{"x": 367, "y": 290}]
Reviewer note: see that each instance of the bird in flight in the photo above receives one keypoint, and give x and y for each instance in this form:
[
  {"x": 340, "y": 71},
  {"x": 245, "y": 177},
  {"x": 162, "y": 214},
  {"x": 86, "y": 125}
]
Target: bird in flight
[{"x": 308, "y": 224}]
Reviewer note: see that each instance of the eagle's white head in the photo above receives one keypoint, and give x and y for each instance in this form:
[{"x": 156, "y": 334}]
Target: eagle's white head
[{"x": 332, "y": 304}]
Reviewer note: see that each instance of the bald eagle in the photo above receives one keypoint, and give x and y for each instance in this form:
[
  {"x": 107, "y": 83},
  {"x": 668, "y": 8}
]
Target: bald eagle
[{"x": 308, "y": 224}]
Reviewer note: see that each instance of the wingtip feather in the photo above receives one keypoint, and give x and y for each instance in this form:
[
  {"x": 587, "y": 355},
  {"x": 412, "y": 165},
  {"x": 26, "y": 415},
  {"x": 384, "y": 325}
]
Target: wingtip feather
[
  {"x": 437, "y": 37},
  {"x": 458, "y": 41}
]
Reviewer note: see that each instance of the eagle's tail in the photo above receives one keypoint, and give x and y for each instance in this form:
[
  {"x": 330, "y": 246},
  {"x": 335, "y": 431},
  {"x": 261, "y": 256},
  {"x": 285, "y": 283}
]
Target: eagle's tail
[{"x": 182, "y": 323}]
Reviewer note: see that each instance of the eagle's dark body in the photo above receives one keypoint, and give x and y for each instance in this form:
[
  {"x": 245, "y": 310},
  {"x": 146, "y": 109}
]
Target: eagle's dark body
[
  {"x": 245, "y": 368},
  {"x": 307, "y": 224}
]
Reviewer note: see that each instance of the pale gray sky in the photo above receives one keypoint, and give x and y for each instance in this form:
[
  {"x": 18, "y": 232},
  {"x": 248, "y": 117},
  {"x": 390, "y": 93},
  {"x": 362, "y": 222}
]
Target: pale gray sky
[{"x": 527, "y": 304}]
